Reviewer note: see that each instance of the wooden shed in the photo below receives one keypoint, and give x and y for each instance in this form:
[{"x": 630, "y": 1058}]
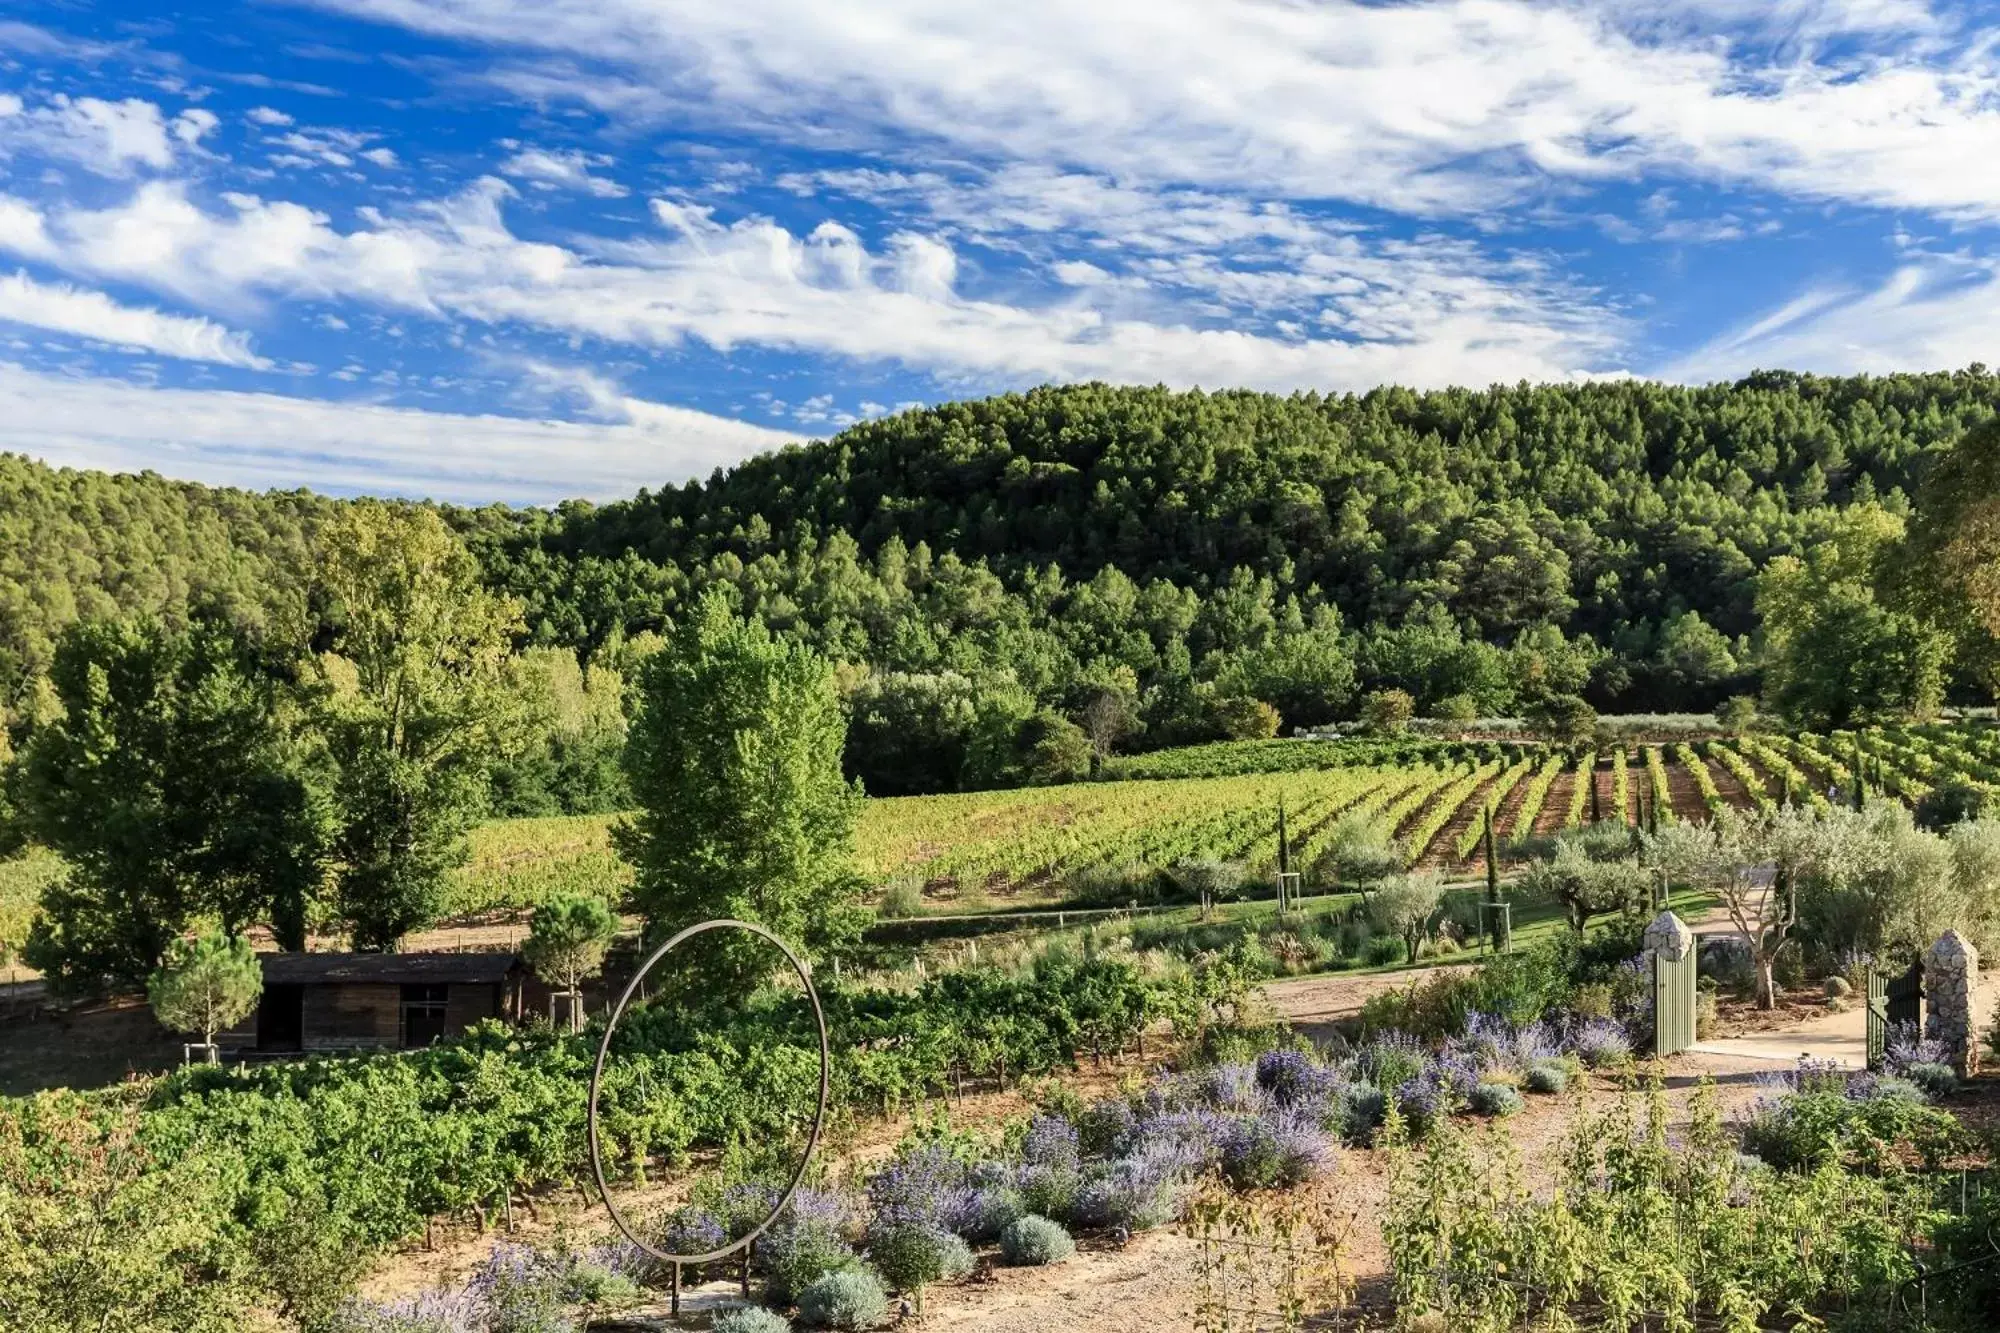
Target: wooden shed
[{"x": 378, "y": 1001}]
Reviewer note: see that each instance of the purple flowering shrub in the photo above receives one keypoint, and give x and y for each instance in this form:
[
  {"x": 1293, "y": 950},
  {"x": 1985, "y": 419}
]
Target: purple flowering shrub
[
  {"x": 809, "y": 1240},
  {"x": 925, "y": 1184},
  {"x": 432, "y": 1312},
  {"x": 1494, "y": 1044},
  {"x": 1907, "y": 1047},
  {"x": 1600, "y": 1042},
  {"x": 1107, "y": 1128},
  {"x": 1234, "y": 1087},
  {"x": 1391, "y": 1059}
]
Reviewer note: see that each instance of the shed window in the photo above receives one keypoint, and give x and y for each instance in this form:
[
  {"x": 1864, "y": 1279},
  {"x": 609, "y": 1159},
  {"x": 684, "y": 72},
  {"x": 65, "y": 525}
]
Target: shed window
[{"x": 423, "y": 1014}]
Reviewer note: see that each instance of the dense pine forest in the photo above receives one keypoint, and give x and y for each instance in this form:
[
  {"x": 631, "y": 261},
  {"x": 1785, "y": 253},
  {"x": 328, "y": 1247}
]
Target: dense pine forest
[{"x": 1156, "y": 566}]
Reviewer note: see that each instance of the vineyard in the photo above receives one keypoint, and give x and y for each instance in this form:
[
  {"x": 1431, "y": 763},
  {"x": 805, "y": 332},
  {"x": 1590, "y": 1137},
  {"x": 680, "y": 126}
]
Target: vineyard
[{"x": 1044, "y": 843}]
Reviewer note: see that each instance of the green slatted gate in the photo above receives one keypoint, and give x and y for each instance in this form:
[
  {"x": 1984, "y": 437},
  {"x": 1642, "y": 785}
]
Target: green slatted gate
[{"x": 1673, "y": 1003}]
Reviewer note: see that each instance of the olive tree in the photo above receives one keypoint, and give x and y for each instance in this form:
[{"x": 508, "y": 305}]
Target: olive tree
[
  {"x": 208, "y": 983},
  {"x": 1407, "y": 906},
  {"x": 1360, "y": 850}
]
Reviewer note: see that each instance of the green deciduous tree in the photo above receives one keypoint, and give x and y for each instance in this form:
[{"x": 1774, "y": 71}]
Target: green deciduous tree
[
  {"x": 412, "y": 705},
  {"x": 734, "y": 760},
  {"x": 1387, "y": 711},
  {"x": 1834, "y": 652},
  {"x": 1361, "y": 850},
  {"x": 208, "y": 983},
  {"x": 179, "y": 784}
]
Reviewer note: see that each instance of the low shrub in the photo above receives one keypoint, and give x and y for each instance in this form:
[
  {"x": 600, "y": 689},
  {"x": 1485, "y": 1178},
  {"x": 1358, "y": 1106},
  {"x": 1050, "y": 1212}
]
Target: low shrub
[
  {"x": 1495, "y": 1099},
  {"x": 1381, "y": 950},
  {"x": 750, "y": 1319},
  {"x": 852, "y": 1298},
  {"x": 1362, "y": 1112},
  {"x": 1601, "y": 1044},
  {"x": 913, "y": 1255},
  {"x": 1033, "y": 1241},
  {"x": 1936, "y": 1080},
  {"x": 805, "y": 1244},
  {"x": 988, "y": 1209},
  {"x": 1548, "y": 1077}
]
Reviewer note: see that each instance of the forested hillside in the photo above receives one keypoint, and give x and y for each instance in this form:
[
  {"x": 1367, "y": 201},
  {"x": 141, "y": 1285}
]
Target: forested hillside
[
  {"x": 1612, "y": 504},
  {"x": 1149, "y": 563}
]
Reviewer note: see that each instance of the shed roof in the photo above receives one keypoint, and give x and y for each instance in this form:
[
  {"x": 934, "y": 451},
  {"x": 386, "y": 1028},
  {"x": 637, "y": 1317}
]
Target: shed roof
[{"x": 335, "y": 969}]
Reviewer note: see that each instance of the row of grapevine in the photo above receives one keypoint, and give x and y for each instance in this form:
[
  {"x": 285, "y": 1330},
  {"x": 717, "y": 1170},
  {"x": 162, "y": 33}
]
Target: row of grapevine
[
  {"x": 1503, "y": 786},
  {"x": 1579, "y": 795},
  {"x": 1536, "y": 797},
  {"x": 1375, "y": 802},
  {"x": 1620, "y": 787},
  {"x": 1744, "y": 773},
  {"x": 1432, "y": 821},
  {"x": 1893, "y": 769},
  {"x": 1656, "y": 775},
  {"x": 1704, "y": 782},
  {"x": 1789, "y": 774}
]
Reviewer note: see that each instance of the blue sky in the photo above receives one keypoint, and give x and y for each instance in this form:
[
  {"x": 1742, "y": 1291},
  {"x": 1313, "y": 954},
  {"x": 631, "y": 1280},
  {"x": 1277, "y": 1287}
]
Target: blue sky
[{"x": 527, "y": 249}]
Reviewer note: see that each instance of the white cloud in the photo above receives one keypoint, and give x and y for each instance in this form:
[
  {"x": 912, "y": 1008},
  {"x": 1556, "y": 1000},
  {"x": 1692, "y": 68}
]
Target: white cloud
[
  {"x": 263, "y": 440},
  {"x": 1933, "y": 311},
  {"x": 1431, "y": 311},
  {"x": 21, "y": 229},
  {"x": 266, "y": 115},
  {"x": 62, "y": 308},
  {"x": 566, "y": 169},
  {"x": 107, "y": 138},
  {"x": 1433, "y": 107},
  {"x": 192, "y": 124}
]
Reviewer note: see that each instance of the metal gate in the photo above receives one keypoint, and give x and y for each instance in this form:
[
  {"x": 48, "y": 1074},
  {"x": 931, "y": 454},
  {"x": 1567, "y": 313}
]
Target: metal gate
[
  {"x": 1878, "y": 1018},
  {"x": 1673, "y": 1003}
]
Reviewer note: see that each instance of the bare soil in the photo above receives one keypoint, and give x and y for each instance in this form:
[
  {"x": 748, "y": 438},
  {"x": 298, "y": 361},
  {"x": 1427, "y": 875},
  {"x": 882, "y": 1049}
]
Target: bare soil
[
  {"x": 1683, "y": 795},
  {"x": 1443, "y": 849},
  {"x": 1556, "y": 808}
]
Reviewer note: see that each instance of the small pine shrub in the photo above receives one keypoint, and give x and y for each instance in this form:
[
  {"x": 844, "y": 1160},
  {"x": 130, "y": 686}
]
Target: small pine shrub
[
  {"x": 1547, "y": 1077},
  {"x": 1935, "y": 1079},
  {"x": 853, "y": 1298},
  {"x": 1033, "y": 1241},
  {"x": 1838, "y": 987},
  {"x": 750, "y": 1319},
  {"x": 1495, "y": 1099},
  {"x": 1381, "y": 950}
]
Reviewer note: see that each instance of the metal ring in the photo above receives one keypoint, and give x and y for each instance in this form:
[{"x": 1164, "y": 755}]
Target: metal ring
[{"x": 819, "y": 1116}]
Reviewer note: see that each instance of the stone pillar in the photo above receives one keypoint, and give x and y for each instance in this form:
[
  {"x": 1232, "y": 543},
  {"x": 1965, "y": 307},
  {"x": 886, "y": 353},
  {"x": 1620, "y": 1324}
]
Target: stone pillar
[
  {"x": 1951, "y": 980},
  {"x": 1668, "y": 937}
]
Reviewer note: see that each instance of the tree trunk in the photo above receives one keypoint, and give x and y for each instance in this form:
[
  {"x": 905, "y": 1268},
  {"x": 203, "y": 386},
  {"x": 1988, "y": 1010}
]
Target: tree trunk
[{"x": 1767, "y": 985}]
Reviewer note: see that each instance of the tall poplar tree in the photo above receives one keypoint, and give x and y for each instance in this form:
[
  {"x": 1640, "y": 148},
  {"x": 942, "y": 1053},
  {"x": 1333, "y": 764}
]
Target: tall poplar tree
[
  {"x": 734, "y": 761},
  {"x": 412, "y": 698}
]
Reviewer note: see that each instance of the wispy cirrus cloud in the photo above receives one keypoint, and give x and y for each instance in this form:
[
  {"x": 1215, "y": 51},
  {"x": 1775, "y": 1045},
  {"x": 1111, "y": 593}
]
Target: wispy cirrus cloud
[
  {"x": 1429, "y": 311},
  {"x": 62, "y": 308},
  {"x": 262, "y": 439},
  {"x": 1450, "y": 106}
]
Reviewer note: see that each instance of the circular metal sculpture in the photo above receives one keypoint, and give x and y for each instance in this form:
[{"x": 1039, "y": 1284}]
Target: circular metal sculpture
[{"x": 819, "y": 1115}]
